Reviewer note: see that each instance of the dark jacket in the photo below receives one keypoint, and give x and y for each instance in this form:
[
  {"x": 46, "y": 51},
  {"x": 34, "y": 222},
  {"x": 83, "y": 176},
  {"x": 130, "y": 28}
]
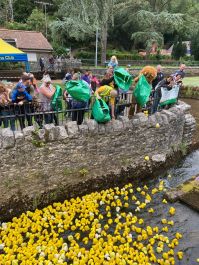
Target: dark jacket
[
  {"x": 106, "y": 82},
  {"x": 180, "y": 72},
  {"x": 161, "y": 84},
  {"x": 159, "y": 77}
]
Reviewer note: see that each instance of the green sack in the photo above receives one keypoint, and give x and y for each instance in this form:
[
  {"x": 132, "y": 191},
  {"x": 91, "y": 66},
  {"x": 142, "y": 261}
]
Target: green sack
[
  {"x": 100, "y": 111},
  {"x": 56, "y": 102},
  {"x": 142, "y": 91},
  {"x": 78, "y": 90},
  {"x": 123, "y": 79}
]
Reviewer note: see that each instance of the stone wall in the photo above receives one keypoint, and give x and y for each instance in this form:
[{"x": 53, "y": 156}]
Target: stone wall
[
  {"x": 191, "y": 92},
  {"x": 55, "y": 163},
  {"x": 190, "y": 71}
]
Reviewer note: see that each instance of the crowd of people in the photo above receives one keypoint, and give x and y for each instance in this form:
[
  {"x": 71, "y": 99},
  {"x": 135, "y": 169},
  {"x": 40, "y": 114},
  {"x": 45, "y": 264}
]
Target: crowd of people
[{"x": 29, "y": 102}]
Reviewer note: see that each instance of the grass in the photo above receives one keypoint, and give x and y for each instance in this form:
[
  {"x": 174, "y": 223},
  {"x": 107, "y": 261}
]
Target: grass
[{"x": 191, "y": 81}]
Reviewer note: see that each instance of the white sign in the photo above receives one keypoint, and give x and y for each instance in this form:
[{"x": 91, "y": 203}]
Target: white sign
[
  {"x": 5, "y": 58},
  {"x": 32, "y": 57}
]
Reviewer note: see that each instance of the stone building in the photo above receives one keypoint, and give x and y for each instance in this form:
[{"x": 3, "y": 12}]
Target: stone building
[{"x": 31, "y": 42}]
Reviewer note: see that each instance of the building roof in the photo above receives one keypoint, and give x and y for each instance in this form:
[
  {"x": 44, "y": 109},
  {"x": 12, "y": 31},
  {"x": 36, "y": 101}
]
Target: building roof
[
  {"x": 27, "y": 40},
  {"x": 6, "y": 48}
]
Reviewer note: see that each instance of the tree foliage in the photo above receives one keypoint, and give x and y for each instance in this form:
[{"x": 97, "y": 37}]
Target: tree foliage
[
  {"x": 127, "y": 24},
  {"x": 22, "y": 9},
  {"x": 36, "y": 20},
  {"x": 195, "y": 46},
  {"x": 179, "y": 50},
  {"x": 152, "y": 19},
  {"x": 82, "y": 23}
]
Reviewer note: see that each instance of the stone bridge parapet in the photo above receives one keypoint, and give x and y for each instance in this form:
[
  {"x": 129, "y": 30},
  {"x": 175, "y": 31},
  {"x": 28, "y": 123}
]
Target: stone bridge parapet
[{"x": 59, "y": 162}]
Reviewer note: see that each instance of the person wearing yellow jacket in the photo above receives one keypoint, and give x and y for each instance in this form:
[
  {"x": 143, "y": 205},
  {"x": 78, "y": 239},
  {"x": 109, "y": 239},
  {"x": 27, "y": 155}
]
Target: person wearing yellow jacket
[{"x": 108, "y": 94}]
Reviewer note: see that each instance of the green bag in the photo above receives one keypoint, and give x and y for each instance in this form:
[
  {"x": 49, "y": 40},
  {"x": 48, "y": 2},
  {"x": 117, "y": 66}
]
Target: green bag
[
  {"x": 142, "y": 91},
  {"x": 123, "y": 79},
  {"x": 78, "y": 90},
  {"x": 100, "y": 111},
  {"x": 56, "y": 102}
]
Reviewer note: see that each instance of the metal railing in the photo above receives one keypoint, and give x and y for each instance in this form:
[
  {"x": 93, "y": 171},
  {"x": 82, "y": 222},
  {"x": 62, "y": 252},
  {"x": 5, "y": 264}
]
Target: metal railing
[{"x": 19, "y": 116}]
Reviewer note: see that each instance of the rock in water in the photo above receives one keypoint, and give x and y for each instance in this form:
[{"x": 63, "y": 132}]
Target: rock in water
[{"x": 188, "y": 192}]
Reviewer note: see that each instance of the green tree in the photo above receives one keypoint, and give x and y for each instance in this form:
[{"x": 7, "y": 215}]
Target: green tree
[
  {"x": 22, "y": 9},
  {"x": 81, "y": 18},
  {"x": 5, "y": 12},
  {"x": 179, "y": 50},
  {"x": 195, "y": 46},
  {"x": 152, "y": 20},
  {"x": 36, "y": 20},
  {"x": 2, "y": 13}
]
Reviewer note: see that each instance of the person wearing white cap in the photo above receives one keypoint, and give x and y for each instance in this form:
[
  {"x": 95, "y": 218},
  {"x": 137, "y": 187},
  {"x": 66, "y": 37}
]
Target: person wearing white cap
[{"x": 46, "y": 93}]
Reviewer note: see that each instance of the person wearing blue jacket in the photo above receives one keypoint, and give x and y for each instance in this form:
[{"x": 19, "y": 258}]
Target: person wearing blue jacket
[
  {"x": 20, "y": 90},
  {"x": 20, "y": 97}
]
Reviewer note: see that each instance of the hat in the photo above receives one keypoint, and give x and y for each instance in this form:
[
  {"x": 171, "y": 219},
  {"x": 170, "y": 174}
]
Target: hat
[{"x": 47, "y": 79}]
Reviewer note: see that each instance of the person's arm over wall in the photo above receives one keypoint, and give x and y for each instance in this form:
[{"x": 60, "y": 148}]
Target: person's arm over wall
[
  {"x": 47, "y": 93},
  {"x": 14, "y": 95},
  {"x": 27, "y": 96}
]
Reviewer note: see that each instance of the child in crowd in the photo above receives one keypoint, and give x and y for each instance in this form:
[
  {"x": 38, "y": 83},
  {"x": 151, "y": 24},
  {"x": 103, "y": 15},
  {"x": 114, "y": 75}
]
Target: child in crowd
[
  {"x": 178, "y": 79},
  {"x": 20, "y": 90},
  {"x": 113, "y": 62},
  {"x": 94, "y": 82},
  {"x": 86, "y": 77}
]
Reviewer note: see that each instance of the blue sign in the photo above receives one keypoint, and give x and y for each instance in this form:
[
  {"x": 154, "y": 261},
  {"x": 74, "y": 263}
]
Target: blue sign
[{"x": 13, "y": 57}]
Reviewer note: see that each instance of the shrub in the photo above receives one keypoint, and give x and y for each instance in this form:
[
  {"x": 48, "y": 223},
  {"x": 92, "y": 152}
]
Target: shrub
[
  {"x": 59, "y": 50},
  {"x": 179, "y": 50},
  {"x": 17, "y": 26},
  {"x": 195, "y": 46}
]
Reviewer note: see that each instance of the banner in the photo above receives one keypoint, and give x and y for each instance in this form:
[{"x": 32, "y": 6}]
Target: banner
[
  {"x": 13, "y": 57},
  {"x": 169, "y": 96}
]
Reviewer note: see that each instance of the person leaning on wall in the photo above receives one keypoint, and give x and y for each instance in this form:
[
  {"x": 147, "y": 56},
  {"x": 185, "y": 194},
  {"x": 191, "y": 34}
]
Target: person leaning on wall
[{"x": 6, "y": 108}]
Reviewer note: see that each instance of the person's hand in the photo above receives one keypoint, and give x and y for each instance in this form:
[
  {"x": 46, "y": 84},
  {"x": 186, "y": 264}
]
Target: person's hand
[
  {"x": 98, "y": 97},
  {"x": 20, "y": 103},
  {"x": 172, "y": 83}
]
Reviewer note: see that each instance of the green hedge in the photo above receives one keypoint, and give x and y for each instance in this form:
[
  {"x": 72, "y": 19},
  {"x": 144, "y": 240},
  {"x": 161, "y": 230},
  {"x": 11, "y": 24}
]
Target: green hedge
[
  {"x": 134, "y": 56},
  {"x": 11, "y": 66},
  {"x": 120, "y": 55}
]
